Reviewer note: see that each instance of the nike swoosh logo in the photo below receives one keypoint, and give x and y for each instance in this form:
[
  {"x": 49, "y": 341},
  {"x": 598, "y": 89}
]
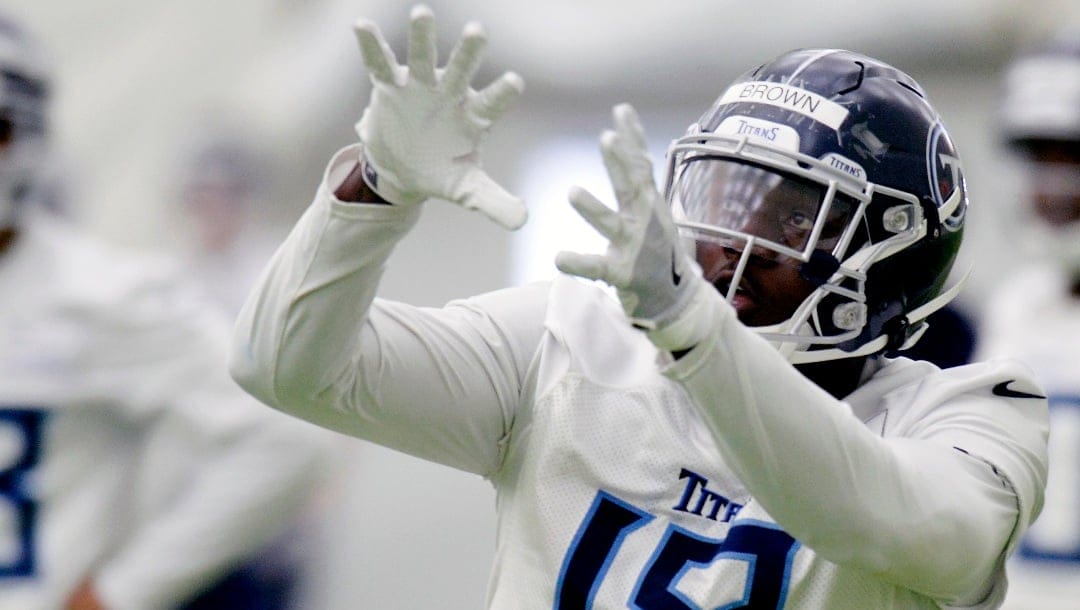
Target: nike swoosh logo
[{"x": 1002, "y": 389}]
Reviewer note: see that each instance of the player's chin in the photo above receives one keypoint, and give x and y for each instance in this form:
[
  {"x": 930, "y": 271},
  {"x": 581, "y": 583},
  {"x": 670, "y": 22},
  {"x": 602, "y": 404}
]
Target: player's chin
[{"x": 751, "y": 313}]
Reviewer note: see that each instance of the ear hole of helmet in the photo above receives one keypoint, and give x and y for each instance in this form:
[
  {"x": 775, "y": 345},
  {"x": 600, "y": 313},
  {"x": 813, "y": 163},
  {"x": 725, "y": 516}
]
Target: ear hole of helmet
[{"x": 882, "y": 215}]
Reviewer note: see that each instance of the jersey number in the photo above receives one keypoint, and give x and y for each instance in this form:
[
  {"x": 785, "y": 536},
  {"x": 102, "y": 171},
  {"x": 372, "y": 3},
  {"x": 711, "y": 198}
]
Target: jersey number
[
  {"x": 20, "y": 441},
  {"x": 766, "y": 549}
]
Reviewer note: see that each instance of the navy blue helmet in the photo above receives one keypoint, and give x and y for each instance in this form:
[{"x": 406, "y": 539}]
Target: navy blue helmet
[{"x": 882, "y": 195}]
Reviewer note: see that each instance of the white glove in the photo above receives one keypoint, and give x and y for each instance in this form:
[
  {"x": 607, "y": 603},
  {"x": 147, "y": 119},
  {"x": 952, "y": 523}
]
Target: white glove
[
  {"x": 645, "y": 261},
  {"x": 422, "y": 128}
]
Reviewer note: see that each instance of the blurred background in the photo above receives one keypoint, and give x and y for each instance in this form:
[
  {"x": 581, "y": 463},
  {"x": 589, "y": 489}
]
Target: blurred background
[{"x": 201, "y": 128}]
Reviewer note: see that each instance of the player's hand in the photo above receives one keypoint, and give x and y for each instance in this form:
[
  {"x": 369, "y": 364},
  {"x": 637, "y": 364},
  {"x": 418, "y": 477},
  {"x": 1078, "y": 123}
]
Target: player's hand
[
  {"x": 423, "y": 126},
  {"x": 645, "y": 260}
]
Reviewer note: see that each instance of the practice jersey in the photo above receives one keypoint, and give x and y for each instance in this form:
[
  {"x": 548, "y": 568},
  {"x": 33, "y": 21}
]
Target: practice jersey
[
  {"x": 1038, "y": 321},
  {"x": 627, "y": 479},
  {"x": 126, "y": 452}
]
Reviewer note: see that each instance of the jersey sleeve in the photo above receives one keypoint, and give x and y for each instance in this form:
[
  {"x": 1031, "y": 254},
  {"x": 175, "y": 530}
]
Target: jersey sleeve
[
  {"x": 218, "y": 475},
  {"x": 914, "y": 508},
  {"x": 438, "y": 383}
]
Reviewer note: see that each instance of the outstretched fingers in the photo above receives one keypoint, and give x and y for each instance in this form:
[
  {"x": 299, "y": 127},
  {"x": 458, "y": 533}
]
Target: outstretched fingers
[
  {"x": 422, "y": 54},
  {"x": 588, "y": 266},
  {"x": 620, "y": 168},
  {"x": 491, "y": 199},
  {"x": 378, "y": 56},
  {"x": 494, "y": 100},
  {"x": 605, "y": 220},
  {"x": 423, "y": 126},
  {"x": 464, "y": 59},
  {"x": 628, "y": 125},
  {"x": 627, "y": 162}
]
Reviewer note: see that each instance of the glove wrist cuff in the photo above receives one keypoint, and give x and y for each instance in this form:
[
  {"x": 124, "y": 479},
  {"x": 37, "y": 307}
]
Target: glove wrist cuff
[
  {"x": 690, "y": 325},
  {"x": 380, "y": 184}
]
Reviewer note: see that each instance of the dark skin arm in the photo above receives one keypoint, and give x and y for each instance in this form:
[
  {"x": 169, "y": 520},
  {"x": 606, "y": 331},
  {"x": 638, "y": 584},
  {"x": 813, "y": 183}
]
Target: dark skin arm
[{"x": 355, "y": 190}]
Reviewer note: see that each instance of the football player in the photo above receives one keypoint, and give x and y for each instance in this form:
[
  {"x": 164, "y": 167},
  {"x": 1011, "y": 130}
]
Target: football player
[
  {"x": 731, "y": 431},
  {"x": 1035, "y": 315},
  {"x": 134, "y": 474}
]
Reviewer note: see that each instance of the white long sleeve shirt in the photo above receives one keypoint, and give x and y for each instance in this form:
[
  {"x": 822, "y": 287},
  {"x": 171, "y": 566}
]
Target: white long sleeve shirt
[
  {"x": 723, "y": 478},
  {"x": 128, "y": 455}
]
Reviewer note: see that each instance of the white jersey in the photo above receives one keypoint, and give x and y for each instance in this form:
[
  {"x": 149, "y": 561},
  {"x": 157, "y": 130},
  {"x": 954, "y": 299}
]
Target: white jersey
[
  {"x": 128, "y": 455},
  {"x": 1039, "y": 321},
  {"x": 724, "y": 479}
]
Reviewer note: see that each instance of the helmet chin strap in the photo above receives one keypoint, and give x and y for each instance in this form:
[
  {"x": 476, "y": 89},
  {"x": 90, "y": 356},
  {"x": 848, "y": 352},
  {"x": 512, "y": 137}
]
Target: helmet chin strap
[
  {"x": 912, "y": 325},
  {"x": 914, "y": 318}
]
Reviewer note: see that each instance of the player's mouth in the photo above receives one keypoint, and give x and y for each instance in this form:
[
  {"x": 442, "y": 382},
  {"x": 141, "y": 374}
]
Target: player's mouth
[{"x": 745, "y": 298}]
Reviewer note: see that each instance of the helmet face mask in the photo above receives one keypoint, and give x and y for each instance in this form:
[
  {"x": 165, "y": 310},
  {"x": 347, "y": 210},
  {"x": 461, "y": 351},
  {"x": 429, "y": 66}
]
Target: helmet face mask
[
  {"x": 833, "y": 165},
  {"x": 792, "y": 216}
]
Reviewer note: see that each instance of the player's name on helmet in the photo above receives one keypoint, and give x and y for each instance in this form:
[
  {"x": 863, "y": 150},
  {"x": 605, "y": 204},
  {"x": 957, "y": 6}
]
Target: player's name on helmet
[{"x": 788, "y": 97}]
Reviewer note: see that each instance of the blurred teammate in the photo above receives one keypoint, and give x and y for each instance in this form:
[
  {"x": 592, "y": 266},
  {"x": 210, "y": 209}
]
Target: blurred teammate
[
  {"x": 133, "y": 473},
  {"x": 220, "y": 185},
  {"x": 731, "y": 431},
  {"x": 1035, "y": 315}
]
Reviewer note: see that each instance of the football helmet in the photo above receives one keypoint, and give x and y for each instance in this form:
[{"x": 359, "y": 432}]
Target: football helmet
[
  {"x": 837, "y": 164},
  {"x": 24, "y": 95}
]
